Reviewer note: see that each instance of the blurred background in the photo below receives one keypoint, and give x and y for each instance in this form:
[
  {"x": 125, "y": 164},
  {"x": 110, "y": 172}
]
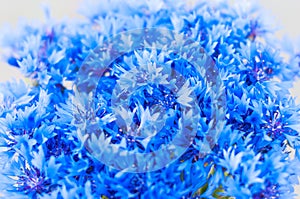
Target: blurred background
[{"x": 285, "y": 13}]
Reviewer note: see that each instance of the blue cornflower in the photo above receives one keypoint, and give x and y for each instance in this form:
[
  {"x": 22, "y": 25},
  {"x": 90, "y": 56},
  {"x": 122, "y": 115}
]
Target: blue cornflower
[{"x": 240, "y": 148}]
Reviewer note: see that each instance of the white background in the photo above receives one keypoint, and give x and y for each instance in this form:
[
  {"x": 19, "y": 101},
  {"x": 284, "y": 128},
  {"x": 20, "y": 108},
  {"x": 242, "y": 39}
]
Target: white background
[{"x": 286, "y": 13}]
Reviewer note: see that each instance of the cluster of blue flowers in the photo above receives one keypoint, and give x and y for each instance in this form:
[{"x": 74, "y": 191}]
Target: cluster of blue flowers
[{"x": 253, "y": 137}]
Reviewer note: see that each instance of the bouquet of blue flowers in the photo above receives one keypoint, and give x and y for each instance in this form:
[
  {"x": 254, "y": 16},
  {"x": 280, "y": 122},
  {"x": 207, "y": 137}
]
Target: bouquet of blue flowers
[{"x": 151, "y": 99}]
